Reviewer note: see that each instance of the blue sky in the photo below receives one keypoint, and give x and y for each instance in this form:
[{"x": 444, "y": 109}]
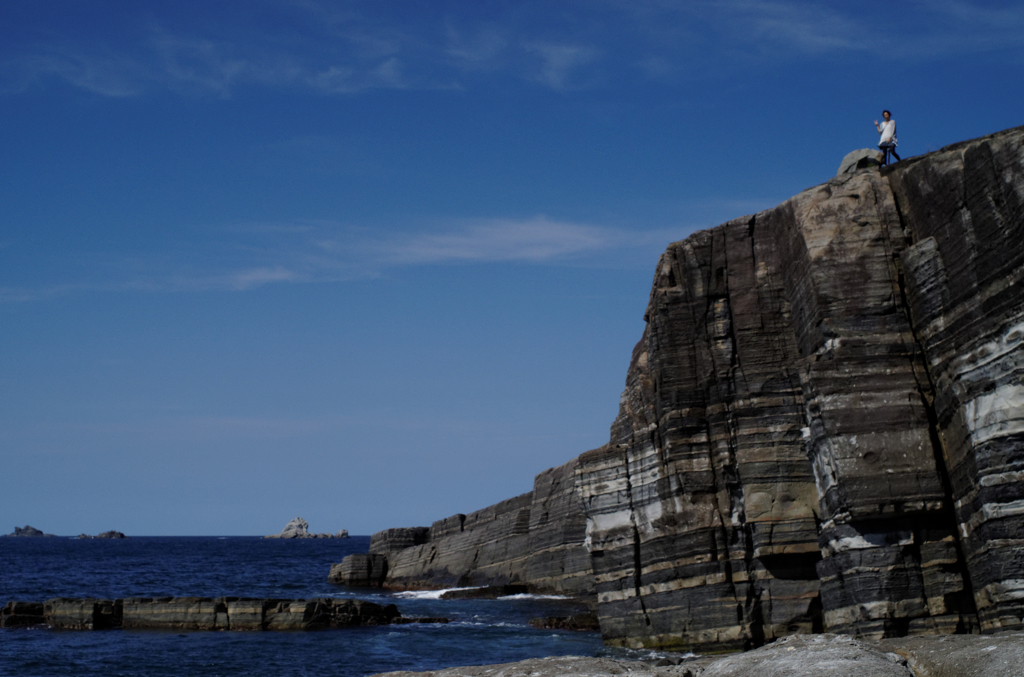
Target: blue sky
[{"x": 378, "y": 263}]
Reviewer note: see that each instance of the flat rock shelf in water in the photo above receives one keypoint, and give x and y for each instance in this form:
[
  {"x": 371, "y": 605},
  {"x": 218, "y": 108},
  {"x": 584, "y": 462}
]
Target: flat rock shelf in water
[
  {"x": 479, "y": 632},
  {"x": 202, "y": 613}
]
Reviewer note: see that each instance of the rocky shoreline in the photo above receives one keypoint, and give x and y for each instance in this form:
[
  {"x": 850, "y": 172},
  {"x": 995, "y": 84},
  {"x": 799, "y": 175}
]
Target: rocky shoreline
[{"x": 822, "y": 430}]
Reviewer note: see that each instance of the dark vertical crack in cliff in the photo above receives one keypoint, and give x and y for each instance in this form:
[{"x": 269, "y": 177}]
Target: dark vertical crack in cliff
[
  {"x": 926, "y": 390},
  {"x": 729, "y": 484},
  {"x": 637, "y": 559}
]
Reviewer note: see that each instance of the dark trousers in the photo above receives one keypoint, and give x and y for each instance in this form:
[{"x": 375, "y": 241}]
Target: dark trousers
[{"x": 887, "y": 148}]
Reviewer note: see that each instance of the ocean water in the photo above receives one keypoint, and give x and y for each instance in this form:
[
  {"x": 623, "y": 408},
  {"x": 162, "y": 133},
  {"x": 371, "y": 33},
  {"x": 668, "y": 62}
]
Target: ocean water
[{"x": 36, "y": 569}]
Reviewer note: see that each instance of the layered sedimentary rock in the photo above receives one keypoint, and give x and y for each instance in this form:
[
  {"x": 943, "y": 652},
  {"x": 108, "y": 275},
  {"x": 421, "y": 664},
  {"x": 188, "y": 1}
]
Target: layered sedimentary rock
[
  {"x": 822, "y": 427},
  {"x": 534, "y": 540},
  {"x": 199, "y": 613},
  {"x": 964, "y": 210},
  {"x": 362, "y": 571},
  {"x": 822, "y": 423}
]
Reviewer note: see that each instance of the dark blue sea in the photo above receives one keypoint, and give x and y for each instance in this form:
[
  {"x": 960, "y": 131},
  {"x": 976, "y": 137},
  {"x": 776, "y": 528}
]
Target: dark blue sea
[{"x": 36, "y": 569}]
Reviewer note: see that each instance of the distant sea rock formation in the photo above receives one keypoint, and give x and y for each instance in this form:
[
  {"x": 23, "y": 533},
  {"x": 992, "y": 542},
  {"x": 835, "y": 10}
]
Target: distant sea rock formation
[
  {"x": 28, "y": 532},
  {"x": 299, "y": 528},
  {"x": 105, "y": 534},
  {"x": 822, "y": 429}
]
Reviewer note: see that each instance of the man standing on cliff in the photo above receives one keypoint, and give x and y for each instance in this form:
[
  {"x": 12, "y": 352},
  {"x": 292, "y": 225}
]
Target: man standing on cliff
[{"x": 887, "y": 144}]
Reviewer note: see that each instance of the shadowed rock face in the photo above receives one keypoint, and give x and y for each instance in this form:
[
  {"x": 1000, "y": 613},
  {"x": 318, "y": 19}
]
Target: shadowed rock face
[{"x": 822, "y": 428}]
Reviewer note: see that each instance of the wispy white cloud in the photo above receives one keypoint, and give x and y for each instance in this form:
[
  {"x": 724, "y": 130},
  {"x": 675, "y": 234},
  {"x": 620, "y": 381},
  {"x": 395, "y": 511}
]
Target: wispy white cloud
[
  {"x": 350, "y": 49},
  {"x": 560, "y": 62},
  {"x": 482, "y": 48},
  {"x": 805, "y": 27},
  {"x": 534, "y": 240},
  {"x": 321, "y": 252},
  {"x": 109, "y": 75},
  {"x": 257, "y": 277},
  {"x": 201, "y": 63}
]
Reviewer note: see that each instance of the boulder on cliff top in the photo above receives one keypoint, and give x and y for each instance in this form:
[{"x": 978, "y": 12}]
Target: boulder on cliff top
[
  {"x": 29, "y": 531},
  {"x": 859, "y": 159}
]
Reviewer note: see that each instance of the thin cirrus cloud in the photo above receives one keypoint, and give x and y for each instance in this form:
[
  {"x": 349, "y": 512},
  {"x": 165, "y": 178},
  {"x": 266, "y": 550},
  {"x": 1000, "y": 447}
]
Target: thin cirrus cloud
[
  {"x": 560, "y": 62},
  {"x": 269, "y": 254},
  {"x": 353, "y": 53},
  {"x": 533, "y": 240},
  {"x": 107, "y": 74}
]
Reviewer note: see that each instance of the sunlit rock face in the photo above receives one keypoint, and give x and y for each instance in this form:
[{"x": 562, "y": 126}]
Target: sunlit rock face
[
  {"x": 823, "y": 423},
  {"x": 534, "y": 540}
]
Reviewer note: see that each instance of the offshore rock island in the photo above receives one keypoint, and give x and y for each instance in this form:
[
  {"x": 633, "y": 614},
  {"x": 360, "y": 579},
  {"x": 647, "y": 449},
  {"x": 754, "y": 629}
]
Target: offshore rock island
[{"x": 822, "y": 430}]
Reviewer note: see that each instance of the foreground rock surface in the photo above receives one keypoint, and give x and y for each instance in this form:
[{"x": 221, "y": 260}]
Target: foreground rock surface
[
  {"x": 796, "y": 656},
  {"x": 822, "y": 428},
  {"x": 961, "y": 655}
]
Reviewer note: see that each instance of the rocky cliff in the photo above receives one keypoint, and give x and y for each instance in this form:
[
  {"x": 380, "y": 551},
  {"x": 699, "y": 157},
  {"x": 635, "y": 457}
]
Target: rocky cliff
[
  {"x": 822, "y": 427},
  {"x": 823, "y": 423},
  {"x": 535, "y": 539}
]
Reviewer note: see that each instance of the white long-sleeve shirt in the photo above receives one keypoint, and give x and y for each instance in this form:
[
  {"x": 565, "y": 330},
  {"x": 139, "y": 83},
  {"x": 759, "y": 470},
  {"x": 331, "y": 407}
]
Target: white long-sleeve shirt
[{"x": 888, "y": 132}]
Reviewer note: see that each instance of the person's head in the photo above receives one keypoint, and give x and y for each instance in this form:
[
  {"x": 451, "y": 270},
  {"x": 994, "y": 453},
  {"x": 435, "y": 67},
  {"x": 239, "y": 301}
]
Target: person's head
[{"x": 886, "y": 114}]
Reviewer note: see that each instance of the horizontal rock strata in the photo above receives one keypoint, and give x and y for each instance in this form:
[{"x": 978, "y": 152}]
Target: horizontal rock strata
[
  {"x": 822, "y": 428},
  {"x": 360, "y": 570},
  {"x": 199, "y": 613},
  {"x": 535, "y": 540}
]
